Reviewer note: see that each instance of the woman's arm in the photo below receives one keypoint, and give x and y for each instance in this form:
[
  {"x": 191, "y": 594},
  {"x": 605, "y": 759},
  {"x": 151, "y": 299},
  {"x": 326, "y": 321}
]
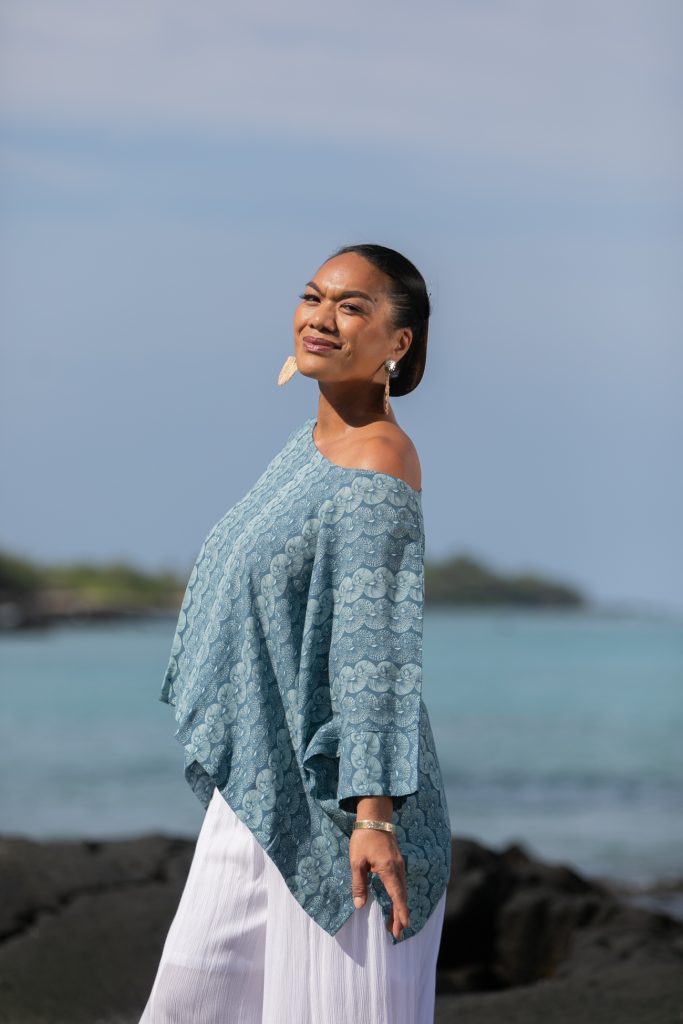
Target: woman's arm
[
  {"x": 370, "y": 583},
  {"x": 379, "y": 852},
  {"x": 378, "y": 808}
]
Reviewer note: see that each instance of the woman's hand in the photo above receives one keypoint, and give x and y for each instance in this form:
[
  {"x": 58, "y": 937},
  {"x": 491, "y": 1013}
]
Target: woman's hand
[{"x": 378, "y": 851}]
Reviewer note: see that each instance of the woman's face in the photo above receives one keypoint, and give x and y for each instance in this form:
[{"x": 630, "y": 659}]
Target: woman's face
[{"x": 342, "y": 326}]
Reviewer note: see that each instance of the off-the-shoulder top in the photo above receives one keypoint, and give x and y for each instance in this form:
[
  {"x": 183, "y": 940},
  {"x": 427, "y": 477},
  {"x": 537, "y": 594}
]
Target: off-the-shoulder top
[{"x": 296, "y": 676}]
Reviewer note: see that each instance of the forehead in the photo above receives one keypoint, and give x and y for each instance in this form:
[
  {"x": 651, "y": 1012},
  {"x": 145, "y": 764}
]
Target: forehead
[{"x": 350, "y": 271}]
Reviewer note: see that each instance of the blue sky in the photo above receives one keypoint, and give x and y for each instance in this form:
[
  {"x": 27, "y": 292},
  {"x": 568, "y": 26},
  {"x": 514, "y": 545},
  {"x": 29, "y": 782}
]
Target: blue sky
[{"x": 171, "y": 175}]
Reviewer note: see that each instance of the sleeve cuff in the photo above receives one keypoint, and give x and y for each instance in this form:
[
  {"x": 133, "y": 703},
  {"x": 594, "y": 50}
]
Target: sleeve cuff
[{"x": 378, "y": 763}]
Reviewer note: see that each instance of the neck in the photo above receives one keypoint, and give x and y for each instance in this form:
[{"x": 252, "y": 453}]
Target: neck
[{"x": 341, "y": 407}]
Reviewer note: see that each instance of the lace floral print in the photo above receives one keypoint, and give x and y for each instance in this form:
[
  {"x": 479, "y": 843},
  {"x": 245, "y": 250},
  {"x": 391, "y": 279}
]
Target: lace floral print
[{"x": 296, "y": 676}]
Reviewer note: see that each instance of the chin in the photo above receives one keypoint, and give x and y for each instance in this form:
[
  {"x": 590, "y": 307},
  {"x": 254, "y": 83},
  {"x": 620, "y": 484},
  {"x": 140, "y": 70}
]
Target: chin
[
  {"x": 309, "y": 362},
  {"x": 304, "y": 367}
]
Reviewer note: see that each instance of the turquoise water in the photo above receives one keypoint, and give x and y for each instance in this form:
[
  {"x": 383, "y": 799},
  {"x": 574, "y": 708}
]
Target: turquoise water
[{"x": 561, "y": 731}]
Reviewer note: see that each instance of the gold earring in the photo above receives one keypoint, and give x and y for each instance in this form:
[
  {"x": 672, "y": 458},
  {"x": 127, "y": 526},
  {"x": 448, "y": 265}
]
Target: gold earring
[
  {"x": 288, "y": 370},
  {"x": 390, "y": 366}
]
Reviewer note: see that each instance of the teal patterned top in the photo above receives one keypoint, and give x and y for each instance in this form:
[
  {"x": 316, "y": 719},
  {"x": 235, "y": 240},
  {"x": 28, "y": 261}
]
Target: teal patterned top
[{"x": 296, "y": 676}]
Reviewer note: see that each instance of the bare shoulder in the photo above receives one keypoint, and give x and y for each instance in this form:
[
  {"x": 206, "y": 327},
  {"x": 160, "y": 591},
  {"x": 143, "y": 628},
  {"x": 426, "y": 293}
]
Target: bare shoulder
[{"x": 388, "y": 449}]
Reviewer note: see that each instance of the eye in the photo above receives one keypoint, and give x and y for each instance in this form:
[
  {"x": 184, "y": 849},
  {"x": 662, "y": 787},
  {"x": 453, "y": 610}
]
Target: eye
[
  {"x": 308, "y": 297},
  {"x": 354, "y": 309}
]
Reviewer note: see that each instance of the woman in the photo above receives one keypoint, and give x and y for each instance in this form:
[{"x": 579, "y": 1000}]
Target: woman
[{"x": 318, "y": 884}]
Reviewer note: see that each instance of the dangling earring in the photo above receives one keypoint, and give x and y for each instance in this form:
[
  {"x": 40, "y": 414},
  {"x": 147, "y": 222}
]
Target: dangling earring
[
  {"x": 390, "y": 366},
  {"x": 288, "y": 370}
]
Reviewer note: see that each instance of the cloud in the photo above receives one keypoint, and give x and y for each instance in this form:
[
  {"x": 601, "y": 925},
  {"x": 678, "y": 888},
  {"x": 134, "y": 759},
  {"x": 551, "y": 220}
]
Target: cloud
[{"x": 589, "y": 87}]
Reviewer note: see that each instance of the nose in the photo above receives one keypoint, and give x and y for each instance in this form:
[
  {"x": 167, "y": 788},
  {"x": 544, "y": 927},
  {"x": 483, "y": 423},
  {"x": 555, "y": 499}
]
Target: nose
[{"x": 322, "y": 318}]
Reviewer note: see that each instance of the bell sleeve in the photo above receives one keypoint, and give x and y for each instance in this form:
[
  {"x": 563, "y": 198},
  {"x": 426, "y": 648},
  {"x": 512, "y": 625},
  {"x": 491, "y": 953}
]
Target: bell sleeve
[{"x": 372, "y": 536}]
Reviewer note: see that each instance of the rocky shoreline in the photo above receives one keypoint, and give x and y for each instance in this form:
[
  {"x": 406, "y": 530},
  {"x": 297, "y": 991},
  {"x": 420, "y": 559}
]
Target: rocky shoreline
[{"x": 82, "y": 924}]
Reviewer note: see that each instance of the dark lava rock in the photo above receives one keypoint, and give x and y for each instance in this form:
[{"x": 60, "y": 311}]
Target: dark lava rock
[{"x": 82, "y": 926}]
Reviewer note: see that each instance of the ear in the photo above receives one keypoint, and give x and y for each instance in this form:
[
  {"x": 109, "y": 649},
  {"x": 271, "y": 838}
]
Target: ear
[{"x": 403, "y": 343}]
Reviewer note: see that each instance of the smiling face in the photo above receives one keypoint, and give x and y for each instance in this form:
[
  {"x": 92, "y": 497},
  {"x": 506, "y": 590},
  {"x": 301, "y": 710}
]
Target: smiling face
[{"x": 343, "y": 328}]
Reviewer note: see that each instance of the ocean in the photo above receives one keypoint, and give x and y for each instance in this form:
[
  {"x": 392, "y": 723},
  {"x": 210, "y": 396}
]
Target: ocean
[{"x": 560, "y": 731}]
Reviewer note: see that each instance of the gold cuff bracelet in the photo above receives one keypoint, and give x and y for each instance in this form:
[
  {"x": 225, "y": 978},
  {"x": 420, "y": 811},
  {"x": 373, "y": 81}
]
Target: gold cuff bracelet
[{"x": 385, "y": 826}]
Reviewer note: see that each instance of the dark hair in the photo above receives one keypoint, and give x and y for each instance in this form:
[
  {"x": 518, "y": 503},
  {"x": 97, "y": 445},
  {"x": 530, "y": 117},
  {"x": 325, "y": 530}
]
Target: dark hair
[{"x": 411, "y": 308}]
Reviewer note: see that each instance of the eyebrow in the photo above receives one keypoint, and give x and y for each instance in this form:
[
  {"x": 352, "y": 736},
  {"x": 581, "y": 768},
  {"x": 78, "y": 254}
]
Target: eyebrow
[{"x": 344, "y": 295}]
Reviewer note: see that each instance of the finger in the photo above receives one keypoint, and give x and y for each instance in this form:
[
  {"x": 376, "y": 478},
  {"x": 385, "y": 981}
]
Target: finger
[
  {"x": 359, "y": 882},
  {"x": 389, "y": 924},
  {"x": 397, "y": 892}
]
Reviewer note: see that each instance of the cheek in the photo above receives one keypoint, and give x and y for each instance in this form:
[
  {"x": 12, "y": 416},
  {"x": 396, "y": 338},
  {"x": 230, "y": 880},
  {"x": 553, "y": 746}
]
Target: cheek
[
  {"x": 299, "y": 317},
  {"x": 361, "y": 340}
]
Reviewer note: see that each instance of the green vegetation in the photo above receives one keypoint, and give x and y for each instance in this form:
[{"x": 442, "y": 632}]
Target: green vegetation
[
  {"x": 115, "y": 584},
  {"x": 464, "y": 580},
  {"x": 34, "y": 594},
  {"x": 18, "y": 577}
]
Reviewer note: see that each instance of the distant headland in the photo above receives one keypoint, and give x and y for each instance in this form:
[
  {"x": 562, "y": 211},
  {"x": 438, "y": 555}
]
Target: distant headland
[
  {"x": 34, "y": 594},
  {"x": 466, "y": 580}
]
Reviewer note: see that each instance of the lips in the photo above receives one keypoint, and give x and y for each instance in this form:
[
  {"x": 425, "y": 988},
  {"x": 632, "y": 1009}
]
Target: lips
[{"x": 319, "y": 344}]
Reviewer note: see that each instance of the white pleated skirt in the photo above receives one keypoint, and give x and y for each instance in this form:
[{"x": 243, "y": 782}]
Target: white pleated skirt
[{"x": 241, "y": 950}]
